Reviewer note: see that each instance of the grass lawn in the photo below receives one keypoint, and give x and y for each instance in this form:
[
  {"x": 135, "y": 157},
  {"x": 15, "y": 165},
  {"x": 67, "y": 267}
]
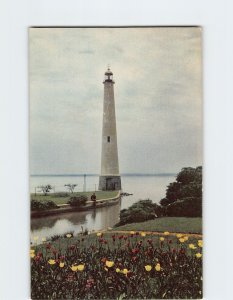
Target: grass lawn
[
  {"x": 62, "y": 198},
  {"x": 172, "y": 224}
]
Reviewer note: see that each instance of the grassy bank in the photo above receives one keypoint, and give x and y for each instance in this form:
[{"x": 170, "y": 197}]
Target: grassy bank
[
  {"x": 172, "y": 224},
  {"x": 62, "y": 198}
]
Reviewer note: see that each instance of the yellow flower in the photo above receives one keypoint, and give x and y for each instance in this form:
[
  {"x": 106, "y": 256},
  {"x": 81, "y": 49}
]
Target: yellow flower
[
  {"x": 32, "y": 250},
  {"x": 118, "y": 270},
  {"x": 198, "y": 255},
  {"x": 125, "y": 271},
  {"x": 74, "y": 268},
  {"x": 161, "y": 239},
  {"x": 99, "y": 233},
  {"x": 132, "y": 232},
  {"x": 148, "y": 268},
  {"x": 166, "y": 233},
  {"x": 157, "y": 267},
  {"x": 143, "y": 234},
  {"x": 43, "y": 239},
  {"x": 61, "y": 265},
  {"x": 192, "y": 246},
  {"x": 182, "y": 240},
  {"x": 80, "y": 267},
  {"x": 186, "y": 238},
  {"x": 109, "y": 264},
  {"x": 179, "y": 235},
  {"x": 200, "y": 243},
  {"x": 52, "y": 262},
  {"x": 32, "y": 255},
  {"x": 35, "y": 238},
  {"x": 69, "y": 235}
]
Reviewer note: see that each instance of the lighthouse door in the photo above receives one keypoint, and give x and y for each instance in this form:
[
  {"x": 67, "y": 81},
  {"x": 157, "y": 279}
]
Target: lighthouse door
[{"x": 109, "y": 184}]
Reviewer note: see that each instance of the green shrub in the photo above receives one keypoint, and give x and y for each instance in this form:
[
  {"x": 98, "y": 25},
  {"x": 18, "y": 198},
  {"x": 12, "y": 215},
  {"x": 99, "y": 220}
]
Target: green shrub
[
  {"x": 141, "y": 211},
  {"x": 38, "y": 205},
  {"x": 77, "y": 201},
  {"x": 188, "y": 207}
]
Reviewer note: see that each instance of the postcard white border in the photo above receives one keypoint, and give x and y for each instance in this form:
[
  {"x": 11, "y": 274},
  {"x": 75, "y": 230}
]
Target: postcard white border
[{"x": 214, "y": 16}]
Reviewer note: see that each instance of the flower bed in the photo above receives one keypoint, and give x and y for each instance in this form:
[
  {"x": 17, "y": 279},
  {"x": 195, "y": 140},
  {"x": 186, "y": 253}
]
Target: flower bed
[{"x": 129, "y": 266}]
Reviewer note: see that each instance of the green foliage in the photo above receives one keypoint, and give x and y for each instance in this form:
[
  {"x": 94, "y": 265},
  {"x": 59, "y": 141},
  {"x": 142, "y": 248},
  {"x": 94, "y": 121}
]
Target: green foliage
[
  {"x": 179, "y": 275},
  {"x": 38, "y": 205},
  {"x": 45, "y": 189},
  {"x": 140, "y": 211},
  {"x": 78, "y": 201},
  {"x": 184, "y": 197}
]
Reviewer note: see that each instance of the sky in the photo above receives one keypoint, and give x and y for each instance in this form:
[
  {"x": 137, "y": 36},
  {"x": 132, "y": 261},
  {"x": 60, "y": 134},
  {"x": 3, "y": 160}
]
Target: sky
[{"x": 158, "y": 98}]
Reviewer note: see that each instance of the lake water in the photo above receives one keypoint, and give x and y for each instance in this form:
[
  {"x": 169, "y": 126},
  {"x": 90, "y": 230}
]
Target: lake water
[{"x": 142, "y": 187}]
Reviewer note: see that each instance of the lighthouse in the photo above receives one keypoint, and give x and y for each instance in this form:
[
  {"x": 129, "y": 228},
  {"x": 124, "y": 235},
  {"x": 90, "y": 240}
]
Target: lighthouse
[{"x": 109, "y": 178}]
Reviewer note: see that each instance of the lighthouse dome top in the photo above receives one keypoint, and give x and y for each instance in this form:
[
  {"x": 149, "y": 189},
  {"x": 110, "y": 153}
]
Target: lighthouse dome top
[
  {"x": 108, "y": 76},
  {"x": 108, "y": 72}
]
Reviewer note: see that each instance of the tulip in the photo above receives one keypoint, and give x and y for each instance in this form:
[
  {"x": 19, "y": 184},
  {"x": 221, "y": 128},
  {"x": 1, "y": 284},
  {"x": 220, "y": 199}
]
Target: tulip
[
  {"x": 157, "y": 267},
  {"x": 200, "y": 243},
  {"x": 182, "y": 240},
  {"x": 148, "y": 268},
  {"x": 166, "y": 233},
  {"x": 109, "y": 264},
  {"x": 52, "y": 262},
  {"x": 80, "y": 267},
  {"x": 125, "y": 271},
  {"x": 161, "y": 239},
  {"x": 61, "y": 265},
  {"x": 143, "y": 234},
  {"x": 198, "y": 255},
  {"x": 69, "y": 235},
  {"x": 192, "y": 246}
]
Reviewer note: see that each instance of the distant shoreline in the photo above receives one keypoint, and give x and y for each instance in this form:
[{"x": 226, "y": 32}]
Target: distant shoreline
[{"x": 81, "y": 175}]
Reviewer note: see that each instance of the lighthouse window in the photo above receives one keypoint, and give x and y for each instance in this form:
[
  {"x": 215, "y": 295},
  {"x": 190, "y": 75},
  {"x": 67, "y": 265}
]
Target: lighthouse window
[{"x": 108, "y": 139}]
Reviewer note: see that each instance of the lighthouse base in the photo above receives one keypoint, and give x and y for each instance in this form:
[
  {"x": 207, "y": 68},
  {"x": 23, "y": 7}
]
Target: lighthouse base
[{"x": 109, "y": 183}]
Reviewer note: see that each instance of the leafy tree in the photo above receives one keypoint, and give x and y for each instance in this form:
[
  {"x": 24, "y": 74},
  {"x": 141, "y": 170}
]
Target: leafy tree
[
  {"x": 70, "y": 187},
  {"x": 45, "y": 189},
  {"x": 184, "y": 196}
]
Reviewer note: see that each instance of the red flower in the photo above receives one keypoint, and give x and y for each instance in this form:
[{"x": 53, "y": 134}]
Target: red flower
[
  {"x": 37, "y": 258},
  {"x": 125, "y": 237},
  {"x": 170, "y": 241},
  {"x": 135, "y": 250},
  {"x": 48, "y": 246}
]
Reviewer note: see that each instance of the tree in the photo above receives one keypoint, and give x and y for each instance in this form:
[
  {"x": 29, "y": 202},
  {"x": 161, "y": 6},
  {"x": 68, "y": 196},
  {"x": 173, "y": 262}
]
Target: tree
[
  {"x": 184, "y": 196},
  {"x": 70, "y": 187},
  {"x": 45, "y": 189}
]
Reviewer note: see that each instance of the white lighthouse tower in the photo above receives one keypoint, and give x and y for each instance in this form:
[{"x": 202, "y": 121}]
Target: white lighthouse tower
[{"x": 110, "y": 178}]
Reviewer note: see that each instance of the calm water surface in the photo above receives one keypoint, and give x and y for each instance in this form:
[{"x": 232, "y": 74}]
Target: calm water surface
[{"x": 142, "y": 187}]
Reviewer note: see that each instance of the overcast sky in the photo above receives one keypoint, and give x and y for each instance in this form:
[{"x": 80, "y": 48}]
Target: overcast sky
[{"x": 158, "y": 98}]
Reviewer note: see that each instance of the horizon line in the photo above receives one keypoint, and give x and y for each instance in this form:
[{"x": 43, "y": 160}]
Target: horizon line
[{"x": 123, "y": 174}]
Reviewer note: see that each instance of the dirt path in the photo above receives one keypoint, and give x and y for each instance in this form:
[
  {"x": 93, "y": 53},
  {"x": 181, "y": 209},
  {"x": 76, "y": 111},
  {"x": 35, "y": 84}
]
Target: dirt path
[{"x": 155, "y": 233}]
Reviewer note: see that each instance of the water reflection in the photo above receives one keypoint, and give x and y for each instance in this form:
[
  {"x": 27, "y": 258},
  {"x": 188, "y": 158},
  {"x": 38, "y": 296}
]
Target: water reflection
[{"x": 91, "y": 220}]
